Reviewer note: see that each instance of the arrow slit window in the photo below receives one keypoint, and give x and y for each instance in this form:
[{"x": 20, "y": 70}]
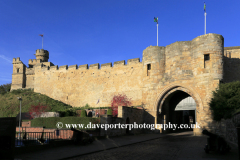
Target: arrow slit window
[
  {"x": 206, "y": 60},
  {"x": 148, "y": 69}
]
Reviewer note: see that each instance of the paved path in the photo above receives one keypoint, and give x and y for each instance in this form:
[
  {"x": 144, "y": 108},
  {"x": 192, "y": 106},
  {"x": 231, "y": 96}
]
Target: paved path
[{"x": 175, "y": 146}]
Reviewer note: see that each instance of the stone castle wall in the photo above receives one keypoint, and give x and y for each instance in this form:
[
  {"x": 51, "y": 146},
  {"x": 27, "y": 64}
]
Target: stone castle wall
[
  {"x": 79, "y": 86},
  {"x": 231, "y": 64},
  {"x": 195, "y": 67}
]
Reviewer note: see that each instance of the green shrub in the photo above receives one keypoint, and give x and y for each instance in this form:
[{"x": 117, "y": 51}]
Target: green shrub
[
  {"x": 51, "y": 122},
  {"x": 225, "y": 101},
  {"x": 87, "y": 106},
  {"x": 68, "y": 112},
  {"x": 83, "y": 113},
  {"x": 109, "y": 111}
]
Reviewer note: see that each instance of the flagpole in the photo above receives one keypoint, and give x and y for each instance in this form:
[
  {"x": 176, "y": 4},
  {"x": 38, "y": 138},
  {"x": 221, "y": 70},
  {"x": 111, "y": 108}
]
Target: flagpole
[
  {"x": 42, "y": 42},
  {"x": 157, "y": 34},
  {"x": 205, "y": 22}
]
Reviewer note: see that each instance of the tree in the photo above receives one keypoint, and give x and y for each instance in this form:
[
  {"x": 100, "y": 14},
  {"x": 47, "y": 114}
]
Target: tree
[
  {"x": 5, "y": 88},
  {"x": 225, "y": 101},
  {"x": 119, "y": 100},
  {"x": 38, "y": 110},
  {"x": 109, "y": 111},
  {"x": 83, "y": 113}
]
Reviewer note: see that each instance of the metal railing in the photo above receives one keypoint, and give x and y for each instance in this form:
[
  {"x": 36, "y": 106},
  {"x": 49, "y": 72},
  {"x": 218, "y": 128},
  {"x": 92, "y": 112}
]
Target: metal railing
[
  {"x": 34, "y": 138},
  {"x": 42, "y": 138}
]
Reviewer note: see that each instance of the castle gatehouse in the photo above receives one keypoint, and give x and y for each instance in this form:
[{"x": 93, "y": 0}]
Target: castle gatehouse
[{"x": 170, "y": 83}]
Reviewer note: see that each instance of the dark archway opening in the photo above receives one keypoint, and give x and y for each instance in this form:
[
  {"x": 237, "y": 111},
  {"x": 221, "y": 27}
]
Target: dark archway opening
[{"x": 179, "y": 109}]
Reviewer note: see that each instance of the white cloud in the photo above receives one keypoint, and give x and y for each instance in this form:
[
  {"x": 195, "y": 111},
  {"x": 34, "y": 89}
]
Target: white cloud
[{"x": 6, "y": 58}]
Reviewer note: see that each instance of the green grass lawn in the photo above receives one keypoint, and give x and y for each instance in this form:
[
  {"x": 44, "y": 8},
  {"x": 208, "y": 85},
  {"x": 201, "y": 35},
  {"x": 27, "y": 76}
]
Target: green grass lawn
[{"x": 9, "y": 103}]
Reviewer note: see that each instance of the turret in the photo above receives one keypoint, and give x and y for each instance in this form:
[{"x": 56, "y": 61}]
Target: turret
[
  {"x": 42, "y": 55},
  {"x": 208, "y": 52},
  {"x": 18, "y": 76},
  {"x": 154, "y": 61}
]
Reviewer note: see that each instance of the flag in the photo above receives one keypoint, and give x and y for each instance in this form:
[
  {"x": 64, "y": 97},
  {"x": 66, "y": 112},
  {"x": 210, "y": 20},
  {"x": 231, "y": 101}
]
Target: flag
[
  {"x": 98, "y": 101},
  {"x": 204, "y": 7},
  {"x": 156, "y": 19},
  {"x": 41, "y": 35}
]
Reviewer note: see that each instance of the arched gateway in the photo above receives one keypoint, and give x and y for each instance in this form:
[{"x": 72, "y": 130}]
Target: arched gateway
[{"x": 169, "y": 108}]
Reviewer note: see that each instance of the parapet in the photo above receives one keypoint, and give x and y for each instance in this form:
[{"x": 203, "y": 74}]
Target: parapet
[
  {"x": 153, "y": 50},
  {"x": 214, "y": 42},
  {"x": 65, "y": 67},
  {"x": 44, "y": 68},
  {"x": 118, "y": 63},
  {"x": 42, "y": 54},
  {"x": 34, "y": 61},
  {"x": 94, "y": 66},
  {"x": 85, "y": 66},
  {"x": 230, "y": 48},
  {"x": 133, "y": 61},
  {"x": 54, "y": 67},
  {"x": 106, "y": 65},
  {"x": 73, "y": 67},
  {"x": 16, "y": 60}
]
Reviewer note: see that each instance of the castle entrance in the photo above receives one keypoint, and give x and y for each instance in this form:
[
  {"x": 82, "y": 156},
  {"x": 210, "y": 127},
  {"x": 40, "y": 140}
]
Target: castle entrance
[{"x": 178, "y": 109}]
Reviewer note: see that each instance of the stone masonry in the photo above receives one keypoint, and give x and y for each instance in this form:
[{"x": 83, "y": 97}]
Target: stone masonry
[{"x": 195, "y": 67}]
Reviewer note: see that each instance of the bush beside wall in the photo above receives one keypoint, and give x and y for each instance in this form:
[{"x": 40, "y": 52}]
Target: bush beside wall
[{"x": 51, "y": 122}]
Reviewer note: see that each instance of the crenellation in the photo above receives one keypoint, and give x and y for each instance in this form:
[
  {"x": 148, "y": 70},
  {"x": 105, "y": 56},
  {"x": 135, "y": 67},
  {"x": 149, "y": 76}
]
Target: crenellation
[
  {"x": 119, "y": 63},
  {"x": 64, "y": 67},
  {"x": 54, "y": 67},
  {"x": 45, "y": 68},
  {"x": 85, "y": 66},
  {"x": 231, "y": 48},
  {"x": 106, "y": 65},
  {"x": 73, "y": 67},
  {"x": 94, "y": 66},
  {"x": 17, "y": 60},
  {"x": 133, "y": 61}
]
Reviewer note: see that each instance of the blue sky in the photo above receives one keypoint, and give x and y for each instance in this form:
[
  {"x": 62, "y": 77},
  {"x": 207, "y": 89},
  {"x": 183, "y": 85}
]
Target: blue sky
[{"x": 102, "y": 31}]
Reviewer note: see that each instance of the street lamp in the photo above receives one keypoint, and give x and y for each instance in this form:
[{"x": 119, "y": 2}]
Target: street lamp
[{"x": 20, "y": 99}]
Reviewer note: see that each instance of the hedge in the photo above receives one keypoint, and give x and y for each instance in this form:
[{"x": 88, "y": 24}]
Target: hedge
[{"x": 50, "y": 122}]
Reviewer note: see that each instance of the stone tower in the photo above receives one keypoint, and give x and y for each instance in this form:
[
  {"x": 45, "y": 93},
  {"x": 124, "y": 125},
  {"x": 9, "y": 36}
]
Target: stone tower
[
  {"x": 42, "y": 54},
  {"x": 18, "y": 76},
  {"x": 23, "y": 76}
]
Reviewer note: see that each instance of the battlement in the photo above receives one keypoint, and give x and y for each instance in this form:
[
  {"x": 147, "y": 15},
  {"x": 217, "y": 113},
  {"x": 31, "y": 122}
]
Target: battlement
[
  {"x": 85, "y": 66},
  {"x": 106, "y": 65},
  {"x": 64, "y": 67},
  {"x": 230, "y": 48},
  {"x": 54, "y": 67},
  {"x": 42, "y": 52},
  {"x": 17, "y": 60},
  {"x": 73, "y": 67},
  {"x": 94, "y": 66},
  {"x": 43, "y": 67},
  {"x": 34, "y": 61},
  {"x": 118, "y": 63},
  {"x": 133, "y": 61},
  {"x": 42, "y": 55}
]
